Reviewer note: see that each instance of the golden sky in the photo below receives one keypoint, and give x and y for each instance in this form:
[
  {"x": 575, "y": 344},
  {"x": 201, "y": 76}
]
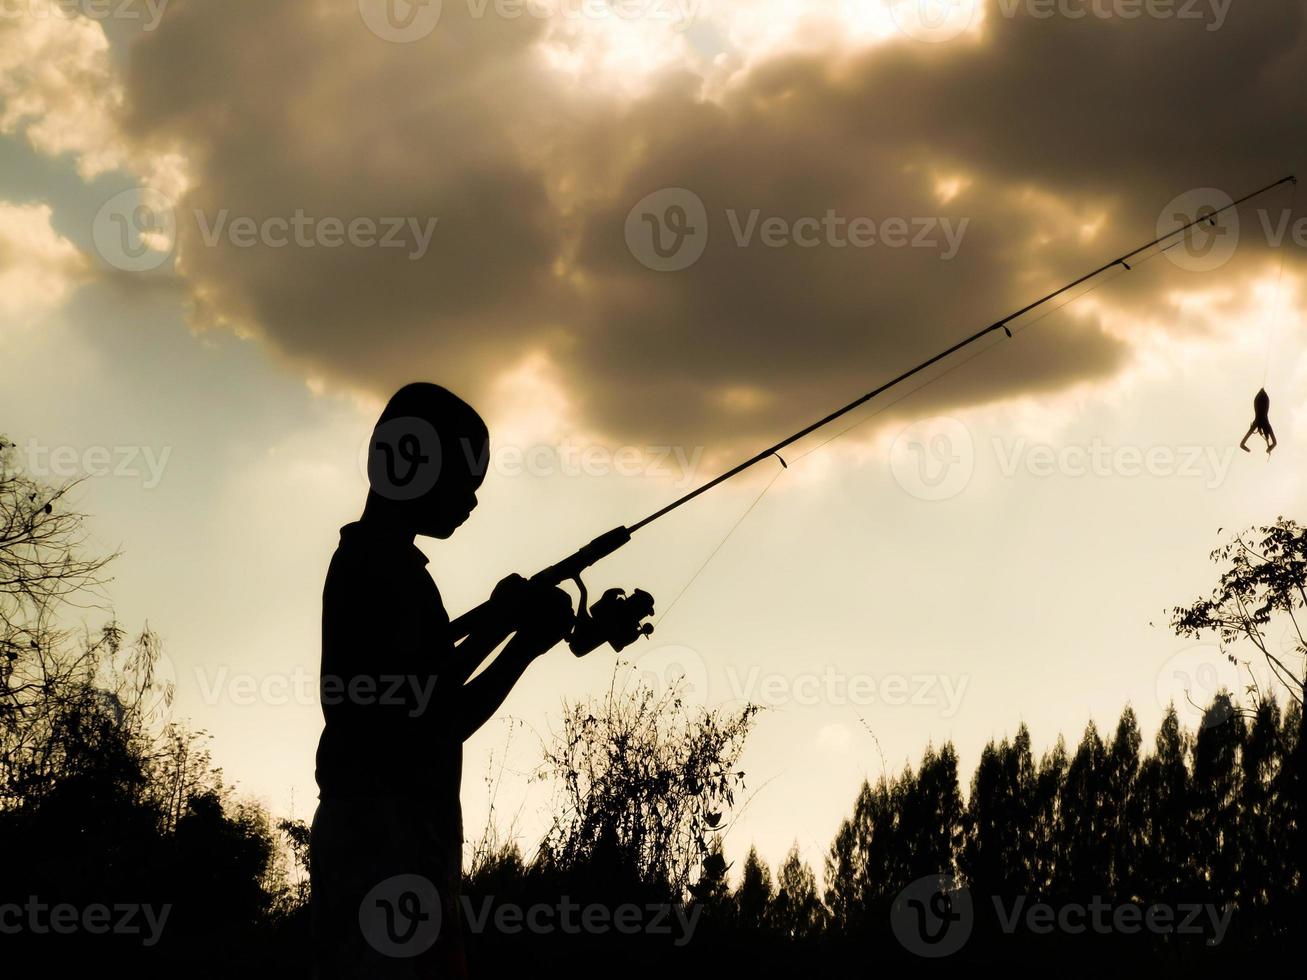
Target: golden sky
[{"x": 228, "y": 230}]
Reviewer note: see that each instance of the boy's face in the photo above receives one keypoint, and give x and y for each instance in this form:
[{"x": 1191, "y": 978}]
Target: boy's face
[{"x": 450, "y": 503}]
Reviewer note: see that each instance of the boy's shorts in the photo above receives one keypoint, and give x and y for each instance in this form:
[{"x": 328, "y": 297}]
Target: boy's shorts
[{"x": 385, "y": 875}]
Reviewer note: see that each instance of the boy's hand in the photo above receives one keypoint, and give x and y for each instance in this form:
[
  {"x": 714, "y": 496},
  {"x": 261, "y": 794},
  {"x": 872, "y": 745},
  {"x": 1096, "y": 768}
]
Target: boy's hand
[
  {"x": 508, "y": 598},
  {"x": 543, "y": 613}
]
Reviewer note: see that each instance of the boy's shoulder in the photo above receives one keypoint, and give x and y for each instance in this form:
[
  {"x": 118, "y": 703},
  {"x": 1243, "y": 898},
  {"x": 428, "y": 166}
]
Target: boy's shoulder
[
  {"x": 381, "y": 583},
  {"x": 364, "y": 558}
]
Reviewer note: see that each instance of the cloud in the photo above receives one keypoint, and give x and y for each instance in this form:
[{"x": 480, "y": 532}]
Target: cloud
[
  {"x": 58, "y": 86},
  {"x": 38, "y": 267},
  {"x": 1017, "y": 156}
]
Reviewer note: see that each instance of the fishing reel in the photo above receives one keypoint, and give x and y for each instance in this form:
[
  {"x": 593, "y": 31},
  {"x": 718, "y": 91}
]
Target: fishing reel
[{"x": 616, "y": 619}]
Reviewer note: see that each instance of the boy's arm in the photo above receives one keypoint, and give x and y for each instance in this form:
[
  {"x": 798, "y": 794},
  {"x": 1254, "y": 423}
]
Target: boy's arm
[
  {"x": 481, "y": 697},
  {"x": 471, "y": 648},
  {"x": 474, "y": 649},
  {"x": 549, "y": 615}
]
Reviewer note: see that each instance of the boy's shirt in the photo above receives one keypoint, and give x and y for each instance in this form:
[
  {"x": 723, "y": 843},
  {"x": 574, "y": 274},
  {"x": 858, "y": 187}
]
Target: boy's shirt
[{"x": 385, "y": 634}]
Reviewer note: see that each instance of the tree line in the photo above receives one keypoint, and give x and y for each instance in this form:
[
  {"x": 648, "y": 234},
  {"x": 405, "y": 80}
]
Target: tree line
[{"x": 1082, "y": 859}]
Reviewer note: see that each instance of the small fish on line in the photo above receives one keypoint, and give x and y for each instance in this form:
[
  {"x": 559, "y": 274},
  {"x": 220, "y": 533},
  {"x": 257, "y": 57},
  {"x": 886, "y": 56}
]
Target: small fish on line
[{"x": 1261, "y": 423}]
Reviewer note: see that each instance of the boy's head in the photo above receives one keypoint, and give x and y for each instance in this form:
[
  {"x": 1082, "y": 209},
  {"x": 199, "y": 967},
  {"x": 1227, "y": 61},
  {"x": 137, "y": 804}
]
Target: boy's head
[{"x": 426, "y": 459}]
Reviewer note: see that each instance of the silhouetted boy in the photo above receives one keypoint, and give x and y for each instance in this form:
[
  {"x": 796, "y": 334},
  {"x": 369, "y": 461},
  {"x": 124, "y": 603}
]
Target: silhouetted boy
[{"x": 386, "y": 846}]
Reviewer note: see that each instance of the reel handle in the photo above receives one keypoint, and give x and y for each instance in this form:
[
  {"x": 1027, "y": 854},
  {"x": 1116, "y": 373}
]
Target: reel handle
[{"x": 616, "y": 619}]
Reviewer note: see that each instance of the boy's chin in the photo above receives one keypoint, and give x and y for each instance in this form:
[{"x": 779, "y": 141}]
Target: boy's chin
[{"x": 443, "y": 529}]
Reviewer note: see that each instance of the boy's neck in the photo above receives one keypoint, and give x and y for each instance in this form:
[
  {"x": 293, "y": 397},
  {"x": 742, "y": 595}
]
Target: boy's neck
[{"x": 383, "y": 524}]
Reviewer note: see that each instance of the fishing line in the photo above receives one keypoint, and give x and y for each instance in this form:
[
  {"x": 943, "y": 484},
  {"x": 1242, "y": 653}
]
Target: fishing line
[
  {"x": 734, "y": 527},
  {"x": 614, "y": 618},
  {"x": 825, "y": 442},
  {"x": 1116, "y": 273},
  {"x": 1277, "y": 307},
  {"x": 961, "y": 364}
]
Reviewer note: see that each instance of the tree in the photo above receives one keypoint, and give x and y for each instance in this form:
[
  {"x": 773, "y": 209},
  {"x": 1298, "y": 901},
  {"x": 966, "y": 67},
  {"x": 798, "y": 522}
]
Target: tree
[
  {"x": 1156, "y": 858},
  {"x": 96, "y": 803},
  {"x": 998, "y": 853},
  {"x": 797, "y": 911},
  {"x": 1263, "y": 585},
  {"x": 863, "y": 872},
  {"x": 753, "y": 898},
  {"x": 1083, "y": 853},
  {"x": 645, "y": 787}
]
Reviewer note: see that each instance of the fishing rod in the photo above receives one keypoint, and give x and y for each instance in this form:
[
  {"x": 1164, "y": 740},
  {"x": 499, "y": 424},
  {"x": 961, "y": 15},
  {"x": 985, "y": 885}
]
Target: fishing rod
[{"x": 616, "y": 618}]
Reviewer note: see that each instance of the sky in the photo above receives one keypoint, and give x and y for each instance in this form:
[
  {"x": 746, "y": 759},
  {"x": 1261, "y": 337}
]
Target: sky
[{"x": 645, "y": 239}]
